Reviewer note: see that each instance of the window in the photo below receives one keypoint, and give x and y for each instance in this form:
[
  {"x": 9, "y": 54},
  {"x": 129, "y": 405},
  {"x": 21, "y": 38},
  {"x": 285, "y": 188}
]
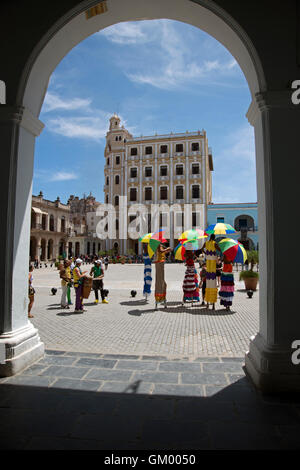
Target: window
[
  {"x": 148, "y": 171},
  {"x": 117, "y": 224},
  {"x": 195, "y": 169},
  {"x": 117, "y": 138},
  {"x": 163, "y": 193},
  {"x": 179, "y": 192},
  {"x": 120, "y": 138},
  {"x": 133, "y": 172},
  {"x": 163, "y": 171},
  {"x": 51, "y": 223},
  {"x": 195, "y": 146},
  {"x": 133, "y": 151},
  {"x": 63, "y": 225},
  {"x": 163, "y": 149},
  {"x": 118, "y": 160},
  {"x": 108, "y": 162},
  {"x": 132, "y": 194},
  {"x": 117, "y": 179},
  {"x": 195, "y": 192},
  {"x": 179, "y": 169},
  {"x": 194, "y": 219},
  {"x": 106, "y": 199},
  {"x": 179, "y": 147},
  {"x": 148, "y": 194},
  {"x": 220, "y": 220},
  {"x": 148, "y": 150},
  {"x": 116, "y": 200},
  {"x": 107, "y": 181}
]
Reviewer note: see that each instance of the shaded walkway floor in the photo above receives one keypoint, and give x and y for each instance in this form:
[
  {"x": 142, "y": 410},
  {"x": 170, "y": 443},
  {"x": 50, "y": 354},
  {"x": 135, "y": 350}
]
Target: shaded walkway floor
[{"x": 104, "y": 401}]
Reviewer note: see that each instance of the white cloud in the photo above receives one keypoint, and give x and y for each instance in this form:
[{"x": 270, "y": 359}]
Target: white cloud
[
  {"x": 125, "y": 33},
  {"x": 54, "y": 102},
  {"x": 82, "y": 127},
  {"x": 169, "y": 60},
  {"x": 63, "y": 176}
]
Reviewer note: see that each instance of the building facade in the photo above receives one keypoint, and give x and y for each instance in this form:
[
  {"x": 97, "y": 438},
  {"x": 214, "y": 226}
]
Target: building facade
[
  {"x": 50, "y": 229},
  {"x": 170, "y": 170},
  {"x": 63, "y": 229}
]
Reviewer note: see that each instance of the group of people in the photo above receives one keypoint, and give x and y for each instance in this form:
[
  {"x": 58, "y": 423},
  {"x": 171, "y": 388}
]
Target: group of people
[
  {"x": 72, "y": 275},
  {"x": 214, "y": 274}
]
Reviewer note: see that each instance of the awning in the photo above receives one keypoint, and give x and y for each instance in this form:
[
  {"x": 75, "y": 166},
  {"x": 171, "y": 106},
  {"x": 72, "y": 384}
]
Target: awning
[{"x": 38, "y": 211}]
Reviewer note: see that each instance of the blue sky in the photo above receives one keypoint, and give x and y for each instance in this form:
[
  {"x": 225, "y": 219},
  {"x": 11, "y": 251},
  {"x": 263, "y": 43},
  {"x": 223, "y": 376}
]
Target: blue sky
[{"x": 160, "y": 76}]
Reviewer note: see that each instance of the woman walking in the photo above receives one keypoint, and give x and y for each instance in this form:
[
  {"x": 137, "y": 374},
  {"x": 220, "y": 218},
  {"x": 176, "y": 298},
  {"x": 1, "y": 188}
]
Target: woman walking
[
  {"x": 147, "y": 272},
  {"x": 160, "y": 283},
  {"x": 227, "y": 284},
  {"x": 211, "y": 292},
  {"x": 31, "y": 291},
  {"x": 190, "y": 283}
]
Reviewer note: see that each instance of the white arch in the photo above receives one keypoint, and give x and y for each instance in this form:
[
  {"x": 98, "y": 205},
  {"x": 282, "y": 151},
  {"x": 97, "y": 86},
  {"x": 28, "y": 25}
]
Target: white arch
[{"x": 74, "y": 27}]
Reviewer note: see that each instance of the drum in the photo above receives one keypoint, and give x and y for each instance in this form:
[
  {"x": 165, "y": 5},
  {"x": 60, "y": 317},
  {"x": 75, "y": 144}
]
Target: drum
[{"x": 87, "y": 286}]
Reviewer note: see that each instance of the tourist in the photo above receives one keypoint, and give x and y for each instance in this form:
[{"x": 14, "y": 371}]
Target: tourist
[
  {"x": 147, "y": 272},
  {"x": 98, "y": 274},
  {"x": 211, "y": 292},
  {"x": 78, "y": 276},
  {"x": 65, "y": 275},
  {"x": 227, "y": 284},
  {"x": 106, "y": 262},
  {"x": 31, "y": 291},
  {"x": 190, "y": 284},
  {"x": 219, "y": 270},
  {"x": 203, "y": 273},
  {"x": 160, "y": 283}
]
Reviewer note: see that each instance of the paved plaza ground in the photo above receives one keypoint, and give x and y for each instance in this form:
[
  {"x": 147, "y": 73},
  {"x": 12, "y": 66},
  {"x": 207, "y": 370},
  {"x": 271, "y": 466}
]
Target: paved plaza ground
[
  {"x": 123, "y": 376},
  {"x": 130, "y": 326}
]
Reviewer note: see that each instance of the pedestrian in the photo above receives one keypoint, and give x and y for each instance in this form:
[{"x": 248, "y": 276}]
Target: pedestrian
[
  {"x": 31, "y": 291},
  {"x": 160, "y": 283},
  {"x": 106, "y": 262},
  {"x": 78, "y": 276},
  {"x": 147, "y": 272},
  {"x": 65, "y": 275},
  {"x": 219, "y": 266},
  {"x": 203, "y": 273},
  {"x": 98, "y": 274},
  {"x": 210, "y": 249},
  {"x": 190, "y": 284},
  {"x": 227, "y": 284}
]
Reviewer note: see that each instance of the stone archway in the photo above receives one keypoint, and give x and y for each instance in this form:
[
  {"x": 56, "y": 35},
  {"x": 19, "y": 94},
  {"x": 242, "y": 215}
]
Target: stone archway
[{"x": 271, "y": 113}]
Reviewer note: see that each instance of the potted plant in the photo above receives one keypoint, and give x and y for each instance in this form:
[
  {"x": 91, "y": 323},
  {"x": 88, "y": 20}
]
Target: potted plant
[{"x": 250, "y": 277}]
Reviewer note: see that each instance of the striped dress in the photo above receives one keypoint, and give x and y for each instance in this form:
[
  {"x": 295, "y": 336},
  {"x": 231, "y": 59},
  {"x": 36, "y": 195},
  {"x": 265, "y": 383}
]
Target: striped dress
[
  {"x": 227, "y": 285},
  {"x": 147, "y": 274},
  {"x": 190, "y": 284},
  {"x": 211, "y": 291}
]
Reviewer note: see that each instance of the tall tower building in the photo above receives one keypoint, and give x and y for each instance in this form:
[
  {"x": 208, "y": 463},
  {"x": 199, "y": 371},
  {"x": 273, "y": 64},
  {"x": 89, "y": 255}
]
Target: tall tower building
[{"x": 173, "y": 170}]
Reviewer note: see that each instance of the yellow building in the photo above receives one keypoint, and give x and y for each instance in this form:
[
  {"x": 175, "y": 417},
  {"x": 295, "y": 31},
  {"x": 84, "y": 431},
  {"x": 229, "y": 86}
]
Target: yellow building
[{"x": 173, "y": 169}]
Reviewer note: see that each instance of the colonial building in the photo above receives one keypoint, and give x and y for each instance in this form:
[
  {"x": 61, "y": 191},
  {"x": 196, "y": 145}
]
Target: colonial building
[
  {"x": 50, "y": 229},
  {"x": 63, "y": 229},
  {"x": 171, "y": 169}
]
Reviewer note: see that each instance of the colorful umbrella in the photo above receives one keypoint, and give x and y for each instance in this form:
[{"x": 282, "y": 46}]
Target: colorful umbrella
[
  {"x": 233, "y": 250},
  {"x": 193, "y": 234},
  {"x": 146, "y": 238},
  {"x": 183, "y": 246},
  {"x": 220, "y": 229},
  {"x": 154, "y": 241}
]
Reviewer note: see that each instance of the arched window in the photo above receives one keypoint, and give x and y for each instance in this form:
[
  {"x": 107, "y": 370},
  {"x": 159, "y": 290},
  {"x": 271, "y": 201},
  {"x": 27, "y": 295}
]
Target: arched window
[
  {"x": 116, "y": 200},
  {"x": 195, "y": 192},
  {"x": 179, "y": 192},
  {"x": 163, "y": 193},
  {"x": 63, "y": 225}
]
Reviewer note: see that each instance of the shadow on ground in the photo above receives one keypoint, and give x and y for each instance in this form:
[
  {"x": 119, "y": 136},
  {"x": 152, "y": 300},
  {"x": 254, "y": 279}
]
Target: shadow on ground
[{"x": 234, "y": 417}]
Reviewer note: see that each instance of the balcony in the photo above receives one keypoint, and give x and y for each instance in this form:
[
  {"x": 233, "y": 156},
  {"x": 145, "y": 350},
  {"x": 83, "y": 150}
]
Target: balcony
[
  {"x": 179, "y": 177},
  {"x": 163, "y": 178},
  {"x": 195, "y": 176},
  {"x": 196, "y": 200},
  {"x": 179, "y": 154},
  {"x": 164, "y": 155},
  {"x": 133, "y": 180},
  {"x": 148, "y": 178}
]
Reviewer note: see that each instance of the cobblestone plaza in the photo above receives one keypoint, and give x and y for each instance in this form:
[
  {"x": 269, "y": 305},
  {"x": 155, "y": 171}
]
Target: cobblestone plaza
[{"x": 128, "y": 325}]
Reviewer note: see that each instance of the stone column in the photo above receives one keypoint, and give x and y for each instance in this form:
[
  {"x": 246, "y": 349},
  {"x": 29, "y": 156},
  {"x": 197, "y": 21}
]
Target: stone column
[
  {"x": 269, "y": 359},
  {"x": 20, "y": 344}
]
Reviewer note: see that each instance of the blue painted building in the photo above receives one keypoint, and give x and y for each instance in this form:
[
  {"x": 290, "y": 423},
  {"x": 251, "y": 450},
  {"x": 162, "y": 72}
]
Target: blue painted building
[{"x": 242, "y": 216}]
